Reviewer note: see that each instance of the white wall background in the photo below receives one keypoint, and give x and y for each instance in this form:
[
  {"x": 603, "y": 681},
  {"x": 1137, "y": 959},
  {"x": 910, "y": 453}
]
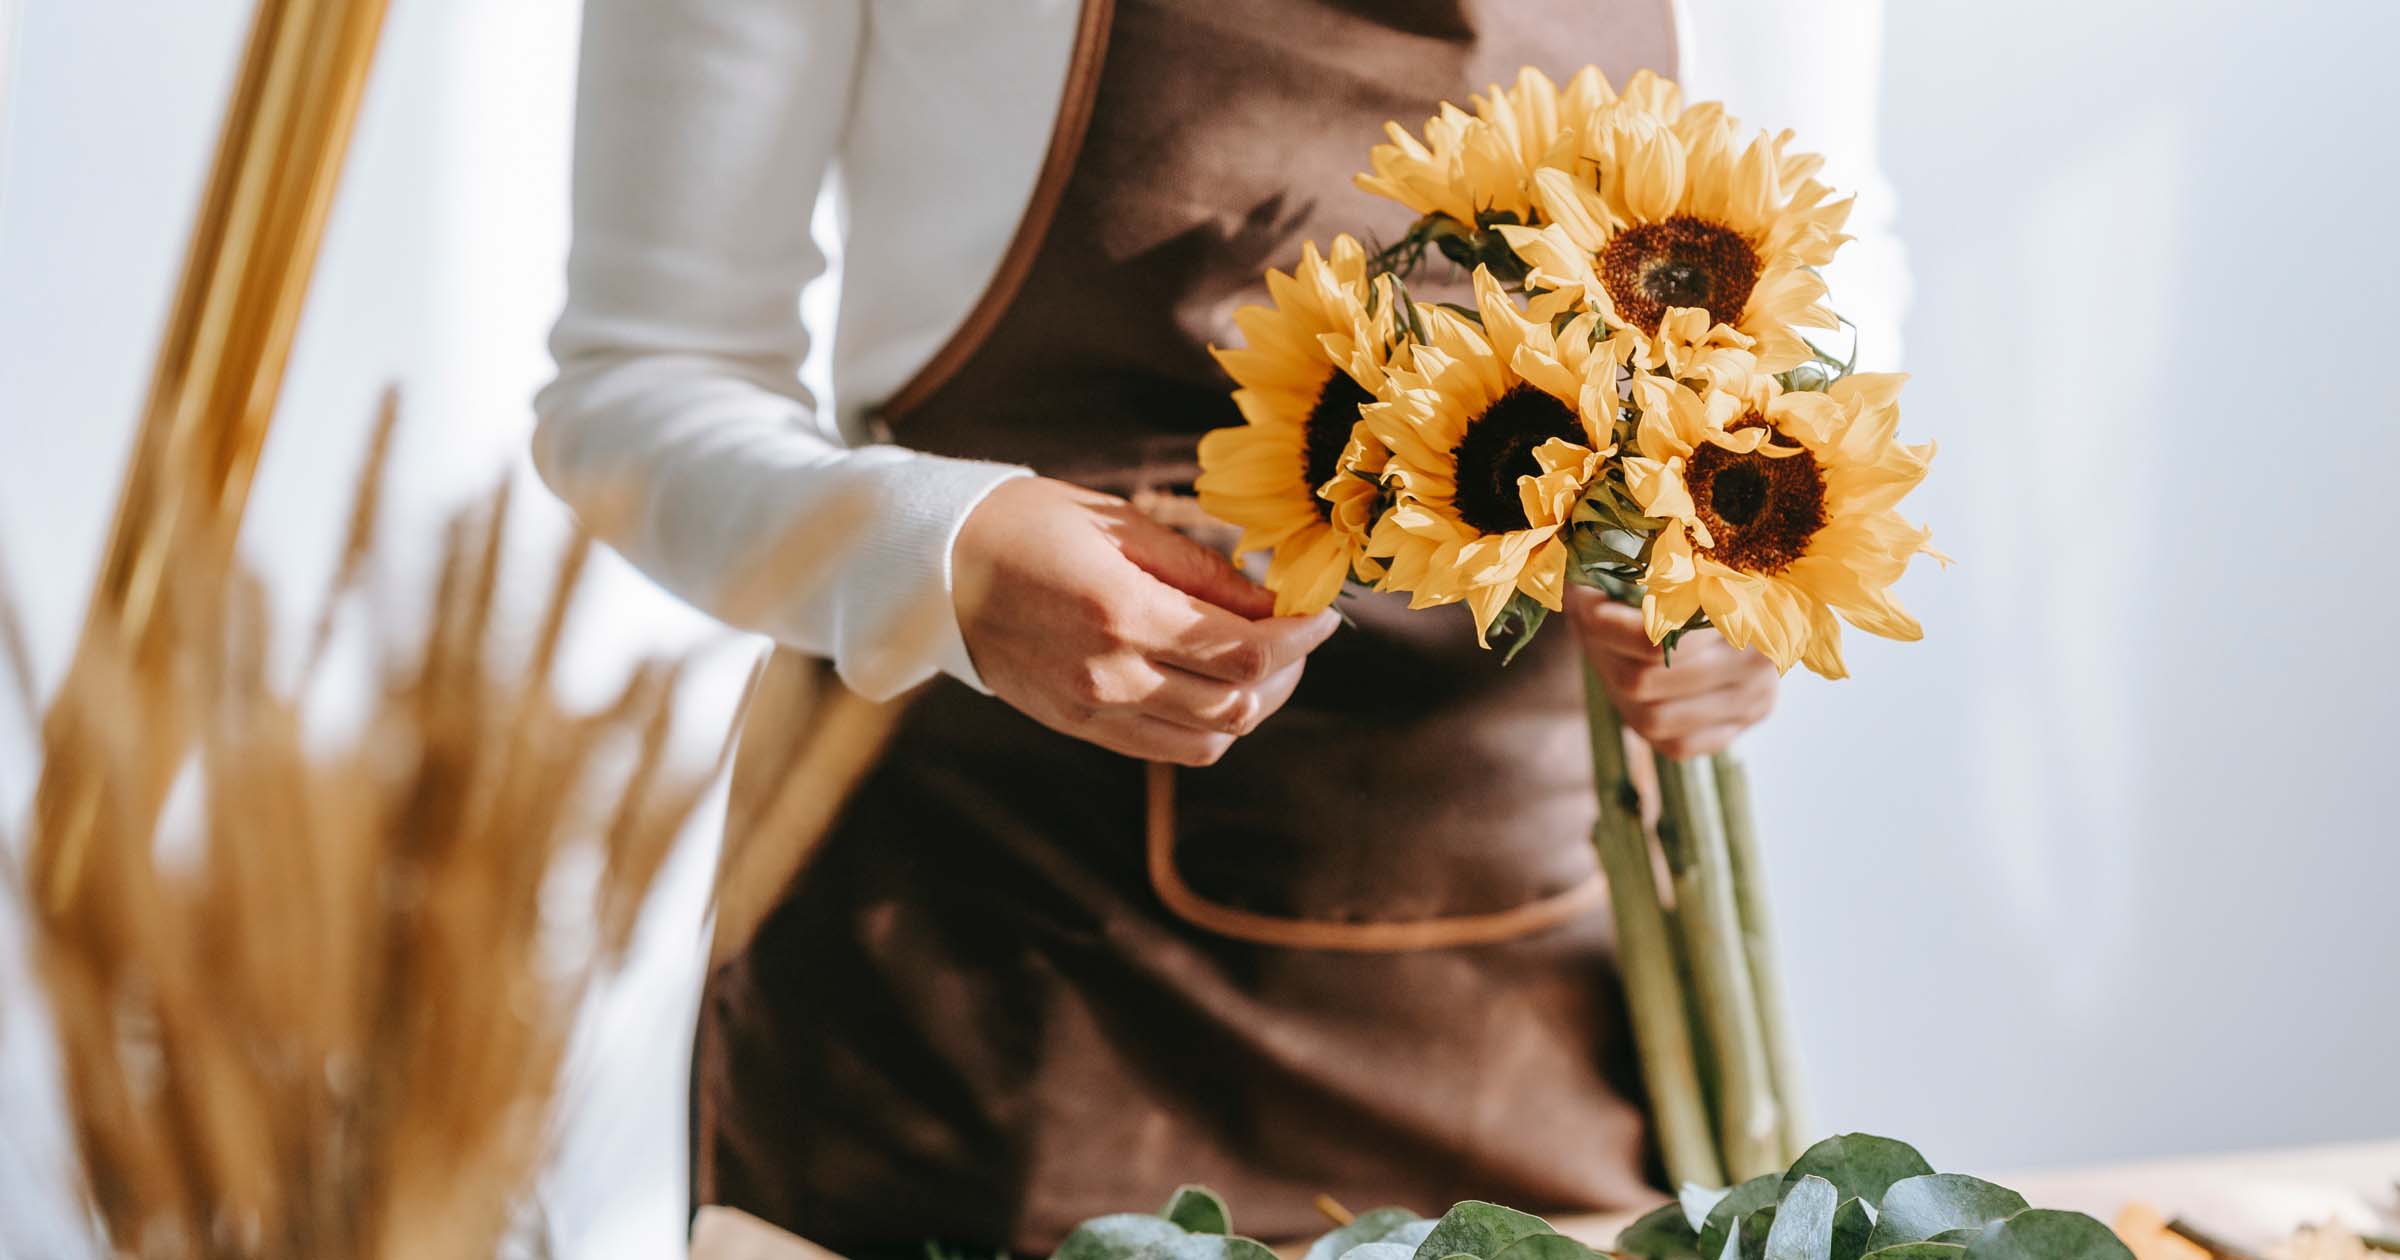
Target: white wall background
[{"x": 2104, "y": 868}]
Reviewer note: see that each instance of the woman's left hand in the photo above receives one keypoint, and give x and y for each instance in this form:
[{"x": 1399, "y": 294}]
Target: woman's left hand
[{"x": 1713, "y": 692}]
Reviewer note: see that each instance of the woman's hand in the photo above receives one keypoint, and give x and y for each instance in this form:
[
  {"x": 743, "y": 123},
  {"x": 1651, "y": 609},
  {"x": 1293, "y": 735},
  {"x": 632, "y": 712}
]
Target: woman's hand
[
  {"x": 1713, "y": 692},
  {"x": 1100, "y": 623}
]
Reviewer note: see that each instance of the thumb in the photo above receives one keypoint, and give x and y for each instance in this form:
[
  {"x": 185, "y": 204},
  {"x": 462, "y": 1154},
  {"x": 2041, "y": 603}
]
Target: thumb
[{"x": 1200, "y": 572}]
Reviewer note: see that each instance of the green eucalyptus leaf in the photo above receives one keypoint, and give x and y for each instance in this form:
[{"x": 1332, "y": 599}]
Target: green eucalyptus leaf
[
  {"x": 1138, "y": 1236},
  {"x": 1803, "y": 1224},
  {"x": 1198, "y": 1210},
  {"x": 1744, "y": 1199},
  {"x": 1859, "y": 1165},
  {"x": 1380, "y": 1225},
  {"x": 1546, "y": 1247},
  {"x": 1478, "y": 1229},
  {"x": 1918, "y": 1208},
  {"x": 1853, "y": 1223},
  {"x": 1754, "y": 1231},
  {"x": 1696, "y": 1202},
  {"x": 1961, "y": 1236},
  {"x": 1119, "y": 1238},
  {"x": 2043, "y": 1234},
  {"x": 1664, "y": 1234},
  {"x": 1733, "y": 1243},
  {"x": 1919, "y": 1251},
  {"x": 1381, "y": 1251}
]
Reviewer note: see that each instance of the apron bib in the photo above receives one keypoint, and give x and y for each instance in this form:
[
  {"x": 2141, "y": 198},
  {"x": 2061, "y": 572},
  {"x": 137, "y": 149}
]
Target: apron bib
[{"x": 972, "y": 1018}]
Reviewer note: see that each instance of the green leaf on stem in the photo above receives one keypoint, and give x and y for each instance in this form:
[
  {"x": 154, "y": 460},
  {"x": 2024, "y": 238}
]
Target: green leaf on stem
[
  {"x": 1919, "y": 1208},
  {"x": 1516, "y": 623},
  {"x": 1853, "y": 1224},
  {"x": 2042, "y": 1234},
  {"x": 1748, "y": 1197},
  {"x": 1135, "y": 1236},
  {"x": 1382, "y": 1251},
  {"x": 1696, "y": 1201},
  {"x": 1478, "y": 1229},
  {"x": 1546, "y": 1247},
  {"x": 1860, "y": 1165},
  {"x": 1386, "y": 1225},
  {"x": 1198, "y": 1210},
  {"x": 1803, "y": 1224},
  {"x": 1666, "y": 1233}
]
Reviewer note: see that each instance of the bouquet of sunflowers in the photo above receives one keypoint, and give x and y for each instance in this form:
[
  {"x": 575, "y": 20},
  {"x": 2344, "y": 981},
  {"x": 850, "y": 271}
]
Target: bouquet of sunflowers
[{"x": 1631, "y": 402}]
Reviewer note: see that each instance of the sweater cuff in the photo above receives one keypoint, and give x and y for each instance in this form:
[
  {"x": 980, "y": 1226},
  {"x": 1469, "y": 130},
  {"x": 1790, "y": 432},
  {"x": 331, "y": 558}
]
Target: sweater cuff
[{"x": 900, "y": 619}]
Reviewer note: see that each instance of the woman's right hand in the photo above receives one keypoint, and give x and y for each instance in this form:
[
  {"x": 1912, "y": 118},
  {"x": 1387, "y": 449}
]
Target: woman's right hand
[{"x": 1100, "y": 623}]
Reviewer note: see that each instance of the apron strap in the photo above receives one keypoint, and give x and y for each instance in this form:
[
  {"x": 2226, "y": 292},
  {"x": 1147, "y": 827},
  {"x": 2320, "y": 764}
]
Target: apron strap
[
  {"x": 1395, "y": 937},
  {"x": 1082, "y": 89}
]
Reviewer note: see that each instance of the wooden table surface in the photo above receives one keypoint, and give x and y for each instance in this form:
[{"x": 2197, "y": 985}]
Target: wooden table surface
[{"x": 2252, "y": 1198}]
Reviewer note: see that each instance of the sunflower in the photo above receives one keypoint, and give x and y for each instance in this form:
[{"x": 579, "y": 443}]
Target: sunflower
[
  {"x": 1471, "y": 163},
  {"x": 1779, "y": 508},
  {"x": 1684, "y": 238},
  {"x": 1495, "y": 432},
  {"x": 1299, "y": 475}
]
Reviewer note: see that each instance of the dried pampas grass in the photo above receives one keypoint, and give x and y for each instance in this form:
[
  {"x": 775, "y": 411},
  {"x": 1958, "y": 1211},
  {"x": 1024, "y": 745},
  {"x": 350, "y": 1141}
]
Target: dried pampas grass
[{"x": 325, "y": 1017}]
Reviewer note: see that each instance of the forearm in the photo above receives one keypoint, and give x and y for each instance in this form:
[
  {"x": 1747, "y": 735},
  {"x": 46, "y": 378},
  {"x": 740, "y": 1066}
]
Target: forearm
[
  {"x": 713, "y": 487},
  {"x": 677, "y": 425}
]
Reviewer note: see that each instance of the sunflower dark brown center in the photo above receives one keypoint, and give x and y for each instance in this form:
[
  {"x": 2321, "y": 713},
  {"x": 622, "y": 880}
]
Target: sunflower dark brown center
[
  {"x": 1682, "y": 261},
  {"x": 1327, "y": 433},
  {"x": 1498, "y": 450},
  {"x": 1760, "y": 509}
]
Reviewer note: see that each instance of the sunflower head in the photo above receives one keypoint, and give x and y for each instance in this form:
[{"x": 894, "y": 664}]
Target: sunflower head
[
  {"x": 1480, "y": 161},
  {"x": 1683, "y": 235},
  {"x": 1496, "y": 428},
  {"x": 1299, "y": 474},
  {"x": 1779, "y": 508}
]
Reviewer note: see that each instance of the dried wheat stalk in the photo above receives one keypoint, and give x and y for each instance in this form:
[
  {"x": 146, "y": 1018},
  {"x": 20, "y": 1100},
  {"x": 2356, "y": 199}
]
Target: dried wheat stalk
[{"x": 326, "y": 1025}]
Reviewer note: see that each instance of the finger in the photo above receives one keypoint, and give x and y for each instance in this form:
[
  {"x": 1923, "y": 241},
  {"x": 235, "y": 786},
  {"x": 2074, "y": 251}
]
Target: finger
[
  {"x": 1188, "y": 634},
  {"x": 1677, "y": 719},
  {"x": 1142, "y": 736},
  {"x": 1702, "y": 743},
  {"x": 1612, "y": 628},
  {"x": 1206, "y": 704},
  {"x": 1649, "y": 682},
  {"x": 1646, "y": 683},
  {"x": 1704, "y": 662},
  {"x": 1200, "y": 572}
]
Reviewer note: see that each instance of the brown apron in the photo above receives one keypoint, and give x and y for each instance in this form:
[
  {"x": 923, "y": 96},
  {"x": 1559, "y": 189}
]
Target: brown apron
[{"x": 972, "y": 1018}]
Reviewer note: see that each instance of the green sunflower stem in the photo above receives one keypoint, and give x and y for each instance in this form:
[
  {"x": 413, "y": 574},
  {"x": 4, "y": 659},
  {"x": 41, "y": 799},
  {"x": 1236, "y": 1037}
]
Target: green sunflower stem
[
  {"x": 1758, "y": 941},
  {"x": 1648, "y": 956},
  {"x": 1691, "y": 832}
]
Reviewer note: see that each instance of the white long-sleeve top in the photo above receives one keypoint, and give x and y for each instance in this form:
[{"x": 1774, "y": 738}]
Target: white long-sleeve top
[{"x": 706, "y": 132}]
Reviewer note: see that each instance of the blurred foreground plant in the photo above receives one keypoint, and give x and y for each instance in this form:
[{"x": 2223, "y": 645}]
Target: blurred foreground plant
[{"x": 321, "y": 1011}]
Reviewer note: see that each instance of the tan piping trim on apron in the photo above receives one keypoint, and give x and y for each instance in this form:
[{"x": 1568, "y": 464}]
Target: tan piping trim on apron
[
  {"x": 1050, "y": 187},
  {"x": 1401, "y": 936},
  {"x": 847, "y": 733}
]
